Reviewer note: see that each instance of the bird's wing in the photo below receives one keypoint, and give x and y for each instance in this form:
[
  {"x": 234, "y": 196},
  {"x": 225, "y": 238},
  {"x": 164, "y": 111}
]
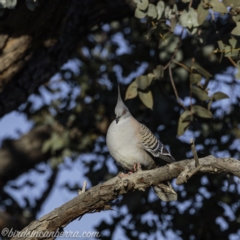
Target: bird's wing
[{"x": 152, "y": 145}]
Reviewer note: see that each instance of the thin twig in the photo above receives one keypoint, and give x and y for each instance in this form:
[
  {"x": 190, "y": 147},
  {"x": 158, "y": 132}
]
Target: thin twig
[
  {"x": 175, "y": 52},
  {"x": 174, "y": 87},
  {"x": 182, "y": 65},
  {"x": 223, "y": 50},
  {"x": 83, "y": 188},
  {"x": 194, "y": 153},
  {"x": 231, "y": 60},
  {"x": 190, "y": 4},
  {"x": 190, "y": 87}
]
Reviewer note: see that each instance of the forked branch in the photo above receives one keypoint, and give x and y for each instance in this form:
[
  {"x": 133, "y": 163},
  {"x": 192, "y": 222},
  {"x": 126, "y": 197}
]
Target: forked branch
[{"x": 97, "y": 198}]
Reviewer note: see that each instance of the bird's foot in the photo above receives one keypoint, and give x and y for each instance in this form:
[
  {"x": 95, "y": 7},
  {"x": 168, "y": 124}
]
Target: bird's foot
[
  {"x": 137, "y": 167},
  {"x": 122, "y": 175}
]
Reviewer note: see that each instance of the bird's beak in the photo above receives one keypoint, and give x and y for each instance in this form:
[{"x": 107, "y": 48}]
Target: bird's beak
[{"x": 117, "y": 119}]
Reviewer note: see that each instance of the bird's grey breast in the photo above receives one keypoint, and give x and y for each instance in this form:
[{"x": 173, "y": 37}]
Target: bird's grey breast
[{"x": 124, "y": 144}]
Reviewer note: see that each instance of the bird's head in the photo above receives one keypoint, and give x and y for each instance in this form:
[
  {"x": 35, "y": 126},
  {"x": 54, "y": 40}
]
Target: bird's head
[{"x": 121, "y": 110}]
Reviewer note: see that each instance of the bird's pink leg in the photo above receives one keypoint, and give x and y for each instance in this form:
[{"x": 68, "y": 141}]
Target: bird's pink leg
[{"x": 137, "y": 167}]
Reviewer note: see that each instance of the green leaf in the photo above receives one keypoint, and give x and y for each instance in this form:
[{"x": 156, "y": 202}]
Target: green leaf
[
  {"x": 218, "y": 6},
  {"x": 201, "y": 70},
  {"x": 173, "y": 23},
  {"x": 195, "y": 78},
  {"x": 233, "y": 3},
  {"x": 189, "y": 18},
  {"x": 46, "y": 145},
  {"x": 236, "y": 18},
  {"x": 10, "y": 4},
  {"x": 210, "y": 103},
  {"x": 152, "y": 11},
  {"x": 202, "y": 13},
  {"x": 233, "y": 42},
  {"x": 201, "y": 112},
  {"x": 142, "y": 4},
  {"x": 221, "y": 45},
  {"x": 142, "y": 82},
  {"x": 238, "y": 72},
  {"x": 150, "y": 76},
  {"x": 236, "y": 30},
  {"x": 139, "y": 14},
  {"x": 220, "y": 95},
  {"x": 146, "y": 98},
  {"x": 183, "y": 122},
  {"x": 131, "y": 91},
  {"x": 228, "y": 51},
  {"x": 158, "y": 72},
  {"x": 57, "y": 142},
  {"x": 160, "y": 9},
  {"x": 200, "y": 93}
]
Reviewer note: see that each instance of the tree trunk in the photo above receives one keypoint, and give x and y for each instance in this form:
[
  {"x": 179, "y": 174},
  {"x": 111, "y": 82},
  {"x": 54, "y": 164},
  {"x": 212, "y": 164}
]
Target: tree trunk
[{"x": 35, "y": 44}]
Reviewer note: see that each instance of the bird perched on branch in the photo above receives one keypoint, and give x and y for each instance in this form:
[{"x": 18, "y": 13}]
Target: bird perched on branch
[{"x": 133, "y": 145}]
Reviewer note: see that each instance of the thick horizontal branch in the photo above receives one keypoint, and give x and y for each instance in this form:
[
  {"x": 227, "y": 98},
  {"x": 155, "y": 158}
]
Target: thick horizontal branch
[{"x": 97, "y": 198}]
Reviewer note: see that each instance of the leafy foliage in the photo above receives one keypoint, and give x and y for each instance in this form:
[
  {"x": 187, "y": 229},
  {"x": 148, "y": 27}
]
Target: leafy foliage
[{"x": 174, "y": 61}]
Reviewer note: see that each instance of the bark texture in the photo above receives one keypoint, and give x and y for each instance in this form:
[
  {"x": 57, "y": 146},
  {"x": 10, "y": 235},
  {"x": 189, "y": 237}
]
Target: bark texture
[
  {"x": 35, "y": 44},
  {"x": 98, "y": 197}
]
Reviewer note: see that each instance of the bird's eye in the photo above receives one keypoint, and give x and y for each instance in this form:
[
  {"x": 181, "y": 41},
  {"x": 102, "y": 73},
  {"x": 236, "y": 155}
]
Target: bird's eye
[{"x": 124, "y": 111}]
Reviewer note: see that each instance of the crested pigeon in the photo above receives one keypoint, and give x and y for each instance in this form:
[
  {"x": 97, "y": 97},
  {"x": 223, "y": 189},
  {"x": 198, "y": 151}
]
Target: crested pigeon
[{"x": 131, "y": 143}]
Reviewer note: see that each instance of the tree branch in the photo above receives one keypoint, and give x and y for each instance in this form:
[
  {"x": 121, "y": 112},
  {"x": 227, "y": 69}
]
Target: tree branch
[
  {"x": 31, "y": 54},
  {"x": 18, "y": 156},
  {"x": 98, "y": 198}
]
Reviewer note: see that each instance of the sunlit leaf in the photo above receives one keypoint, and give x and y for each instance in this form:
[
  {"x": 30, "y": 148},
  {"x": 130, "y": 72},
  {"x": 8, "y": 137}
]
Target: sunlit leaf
[
  {"x": 189, "y": 18},
  {"x": 201, "y": 111},
  {"x": 150, "y": 76},
  {"x": 236, "y": 30},
  {"x": 139, "y": 14},
  {"x": 218, "y": 6},
  {"x": 160, "y": 9},
  {"x": 146, "y": 98},
  {"x": 234, "y": 3},
  {"x": 236, "y": 18},
  {"x": 152, "y": 11},
  {"x": 221, "y": 45},
  {"x": 142, "y": 82},
  {"x": 202, "y": 13},
  {"x": 238, "y": 70},
  {"x": 233, "y": 42},
  {"x": 142, "y": 5},
  {"x": 131, "y": 91}
]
